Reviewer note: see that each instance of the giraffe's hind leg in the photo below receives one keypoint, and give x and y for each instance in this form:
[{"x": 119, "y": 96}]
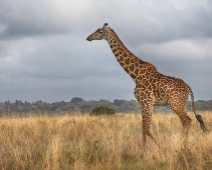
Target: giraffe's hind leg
[
  {"x": 186, "y": 122},
  {"x": 184, "y": 118}
]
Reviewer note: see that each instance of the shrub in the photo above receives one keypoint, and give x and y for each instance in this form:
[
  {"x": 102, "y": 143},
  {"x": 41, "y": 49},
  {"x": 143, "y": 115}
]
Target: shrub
[{"x": 102, "y": 111}]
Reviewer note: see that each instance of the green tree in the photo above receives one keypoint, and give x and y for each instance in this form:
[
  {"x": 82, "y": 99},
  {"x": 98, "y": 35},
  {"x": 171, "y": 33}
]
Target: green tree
[
  {"x": 118, "y": 102},
  {"x": 76, "y": 100}
]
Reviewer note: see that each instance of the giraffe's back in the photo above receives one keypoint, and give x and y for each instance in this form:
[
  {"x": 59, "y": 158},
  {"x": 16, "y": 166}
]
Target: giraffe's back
[{"x": 166, "y": 89}]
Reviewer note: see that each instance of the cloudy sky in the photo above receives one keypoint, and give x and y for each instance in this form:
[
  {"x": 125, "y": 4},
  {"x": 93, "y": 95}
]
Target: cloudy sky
[{"x": 44, "y": 54}]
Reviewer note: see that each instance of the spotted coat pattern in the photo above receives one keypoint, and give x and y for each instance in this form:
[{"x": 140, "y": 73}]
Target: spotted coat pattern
[{"x": 152, "y": 88}]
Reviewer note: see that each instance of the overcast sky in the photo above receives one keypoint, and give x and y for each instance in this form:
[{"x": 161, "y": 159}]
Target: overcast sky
[{"x": 44, "y": 54}]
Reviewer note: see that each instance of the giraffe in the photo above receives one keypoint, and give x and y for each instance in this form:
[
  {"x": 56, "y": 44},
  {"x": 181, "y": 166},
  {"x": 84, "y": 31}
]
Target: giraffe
[{"x": 151, "y": 87}]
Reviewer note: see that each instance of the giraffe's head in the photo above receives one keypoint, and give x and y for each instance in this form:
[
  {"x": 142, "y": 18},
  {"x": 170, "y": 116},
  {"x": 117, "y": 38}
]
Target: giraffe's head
[{"x": 99, "y": 34}]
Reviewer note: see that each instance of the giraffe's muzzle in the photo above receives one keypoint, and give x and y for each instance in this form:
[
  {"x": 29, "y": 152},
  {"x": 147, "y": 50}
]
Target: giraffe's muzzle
[{"x": 89, "y": 39}]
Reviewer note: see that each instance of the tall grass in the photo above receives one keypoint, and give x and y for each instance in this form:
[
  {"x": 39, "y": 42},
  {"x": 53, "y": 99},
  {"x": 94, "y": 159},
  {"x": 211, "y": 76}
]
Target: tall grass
[{"x": 115, "y": 142}]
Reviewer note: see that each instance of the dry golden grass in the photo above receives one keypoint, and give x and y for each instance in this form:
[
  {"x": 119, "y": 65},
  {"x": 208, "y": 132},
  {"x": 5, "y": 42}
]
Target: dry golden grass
[{"x": 92, "y": 143}]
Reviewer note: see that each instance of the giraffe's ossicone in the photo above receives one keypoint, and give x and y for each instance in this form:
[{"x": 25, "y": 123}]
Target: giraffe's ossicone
[{"x": 151, "y": 87}]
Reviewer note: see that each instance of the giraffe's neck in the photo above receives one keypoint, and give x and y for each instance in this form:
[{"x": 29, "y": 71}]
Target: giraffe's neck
[{"x": 129, "y": 62}]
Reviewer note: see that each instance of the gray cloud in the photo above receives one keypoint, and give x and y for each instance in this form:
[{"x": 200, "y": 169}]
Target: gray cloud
[{"x": 44, "y": 54}]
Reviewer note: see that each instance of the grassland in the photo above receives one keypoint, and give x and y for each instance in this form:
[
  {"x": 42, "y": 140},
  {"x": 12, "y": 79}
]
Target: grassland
[{"x": 82, "y": 142}]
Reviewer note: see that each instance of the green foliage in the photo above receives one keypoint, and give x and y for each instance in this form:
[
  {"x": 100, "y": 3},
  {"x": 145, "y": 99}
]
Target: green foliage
[
  {"x": 102, "y": 111},
  {"x": 119, "y": 102},
  {"x": 76, "y": 100},
  {"x": 82, "y": 106}
]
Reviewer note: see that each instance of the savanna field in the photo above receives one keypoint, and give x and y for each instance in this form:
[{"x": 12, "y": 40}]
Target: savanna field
[{"x": 83, "y": 142}]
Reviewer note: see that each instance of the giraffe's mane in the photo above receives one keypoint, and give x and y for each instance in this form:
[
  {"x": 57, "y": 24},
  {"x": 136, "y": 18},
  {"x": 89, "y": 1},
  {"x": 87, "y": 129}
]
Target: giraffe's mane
[
  {"x": 121, "y": 43},
  {"x": 150, "y": 65},
  {"x": 118, "y": 39}
]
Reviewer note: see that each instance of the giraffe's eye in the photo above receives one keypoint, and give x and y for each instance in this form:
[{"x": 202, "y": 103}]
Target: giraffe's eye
[{"x": 100, "y": 32}]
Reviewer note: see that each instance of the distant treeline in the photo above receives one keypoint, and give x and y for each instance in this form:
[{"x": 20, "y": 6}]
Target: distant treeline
[{"x": 83, "y": 106}]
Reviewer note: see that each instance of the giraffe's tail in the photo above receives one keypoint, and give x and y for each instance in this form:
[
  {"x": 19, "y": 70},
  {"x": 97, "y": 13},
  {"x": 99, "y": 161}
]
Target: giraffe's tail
[{"x": 198, "y": 117}]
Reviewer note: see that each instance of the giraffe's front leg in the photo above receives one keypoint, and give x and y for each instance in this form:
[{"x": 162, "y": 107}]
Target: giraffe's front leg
[
  {"x": 143, "y": 128},
  {"x": 147, "y": 123},
  {"x": 146, "y": 101}
]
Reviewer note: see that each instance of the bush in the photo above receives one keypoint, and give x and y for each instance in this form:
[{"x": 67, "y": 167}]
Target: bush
[{"x": 102, "y": 111}]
